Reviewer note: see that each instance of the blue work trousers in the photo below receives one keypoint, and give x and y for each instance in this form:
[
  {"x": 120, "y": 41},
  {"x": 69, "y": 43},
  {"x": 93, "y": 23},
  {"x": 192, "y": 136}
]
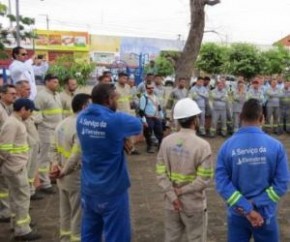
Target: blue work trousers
[
  {"x": 240, "y": 230},
  {"x": 109, "y": 218}
]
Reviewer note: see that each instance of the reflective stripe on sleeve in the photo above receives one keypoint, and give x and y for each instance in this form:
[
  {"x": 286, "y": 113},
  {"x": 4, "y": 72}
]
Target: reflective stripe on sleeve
[
  {"x": 20, "y": 149},
  {"x": 124, "y": 99},
  {"x": 4, "y": 195},
  {"x": 64, "y": 233},
  {"x": 272, "y": 194},
  {"x": 10, "y": 148},
  {"x": 67, "y": 111},
  {"x": 43, "y": 169},
  {"x": 160, "y": 169},
  {"x": 63, "y": 152},
  {"x": 52, "y": 111},
  {"x": 179, "y": 178},
  {"x": 74, "y": 238},
  {"x": 66, "y": 153},
  {"x": 6, "y": 146},
  {"x": 234, "y": 198},
  {"x": 76, "y": 149},
  {"x": 205, "y": 172}
]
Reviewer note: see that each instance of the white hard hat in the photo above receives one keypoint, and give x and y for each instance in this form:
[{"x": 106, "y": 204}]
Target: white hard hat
[
  {"x": 22, "y": 77},
  {"x": 185, "y": 108}
]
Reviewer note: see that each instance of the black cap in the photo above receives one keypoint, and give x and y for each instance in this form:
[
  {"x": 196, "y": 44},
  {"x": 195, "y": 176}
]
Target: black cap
[{"x": 24, "y": 102}]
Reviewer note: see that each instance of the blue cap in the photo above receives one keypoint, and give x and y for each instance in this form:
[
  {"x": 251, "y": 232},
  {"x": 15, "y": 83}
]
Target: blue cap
[{"x": 24, "y": 102}]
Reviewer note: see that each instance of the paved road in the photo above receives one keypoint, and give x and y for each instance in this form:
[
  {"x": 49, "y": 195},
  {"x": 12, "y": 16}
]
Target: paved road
[{"x": 146, "y": 206}]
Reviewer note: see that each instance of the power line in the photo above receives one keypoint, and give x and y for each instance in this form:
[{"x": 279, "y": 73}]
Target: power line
[{"x": 111, "y": 27}]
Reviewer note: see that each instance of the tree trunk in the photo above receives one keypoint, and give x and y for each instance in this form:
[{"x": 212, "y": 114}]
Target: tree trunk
[{"x": 185, "y": 63}]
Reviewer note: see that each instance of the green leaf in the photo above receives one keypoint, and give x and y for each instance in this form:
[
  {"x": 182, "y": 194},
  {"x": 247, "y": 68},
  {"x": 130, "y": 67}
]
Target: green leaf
[
  {"x": 66, "y": 66},
  {"x": 244, "y": 59},
  {"x": 11, "y": 17},
  {"x": 25, "y": 23},
  {"x": 3, "y": 9},
  {"x": 212, "y": 58}
]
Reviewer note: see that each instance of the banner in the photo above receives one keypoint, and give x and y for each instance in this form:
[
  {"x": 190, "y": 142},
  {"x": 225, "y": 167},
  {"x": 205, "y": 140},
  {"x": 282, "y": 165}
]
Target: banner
[
  {"x": 105, "y": 43},
  {"x": 132, "y": 47},
  {"x": 62, "y": 40}
]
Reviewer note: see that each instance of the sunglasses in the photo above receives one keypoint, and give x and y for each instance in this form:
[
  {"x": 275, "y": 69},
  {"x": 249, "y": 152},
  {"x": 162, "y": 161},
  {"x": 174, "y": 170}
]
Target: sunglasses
[
  {"x": 150, "y": 88},
  {"x": 23, "y": 54}
]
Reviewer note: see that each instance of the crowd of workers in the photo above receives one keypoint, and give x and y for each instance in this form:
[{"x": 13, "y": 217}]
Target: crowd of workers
[
  {"x": 28, "y": 145},
  {"x": 251, "y": 175},
  {"x": 221, "y": 104},
  {"x": 80, "y": 139}
]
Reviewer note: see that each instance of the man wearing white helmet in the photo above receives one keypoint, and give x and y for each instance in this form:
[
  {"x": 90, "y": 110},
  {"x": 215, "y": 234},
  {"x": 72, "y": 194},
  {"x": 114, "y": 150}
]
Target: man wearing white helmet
[{"x": 184, "y": 169}]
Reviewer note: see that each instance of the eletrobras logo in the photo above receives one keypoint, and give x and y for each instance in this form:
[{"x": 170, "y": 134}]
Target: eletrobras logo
[
  {"x": 251, "y": 156},
  {"x": 93, "y": 124},
  {"x": 249, "y": 151},
  {"x": 93, "y": 128}
]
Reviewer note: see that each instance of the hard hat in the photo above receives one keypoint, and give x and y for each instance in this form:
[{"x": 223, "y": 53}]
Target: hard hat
[
  {"x": 22, "y": 77},
  {"x": 185, "y": 108}
]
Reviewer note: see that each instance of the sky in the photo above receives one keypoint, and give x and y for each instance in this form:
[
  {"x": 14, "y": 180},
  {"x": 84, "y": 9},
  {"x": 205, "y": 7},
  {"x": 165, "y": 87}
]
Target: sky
[{"x": 254, "y": 21}]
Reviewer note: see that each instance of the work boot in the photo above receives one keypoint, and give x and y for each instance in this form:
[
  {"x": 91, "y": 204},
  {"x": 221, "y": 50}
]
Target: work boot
[
  {"x": 36, "y": 196},
  {"x": 5, "y": 220},
  {"x": 28, "y": 237},
  {"x": 278, "y": 131},
  {"x": 211, "y": 135},
  {"x": 31, "y": 224},
  {"x": 49, "y": 190},
  {"x": 223, "y": 134},
  {"x": 150, "y": 150},
  {"x": 135, "y": 152},
  {"x": 202, "y": 133}
]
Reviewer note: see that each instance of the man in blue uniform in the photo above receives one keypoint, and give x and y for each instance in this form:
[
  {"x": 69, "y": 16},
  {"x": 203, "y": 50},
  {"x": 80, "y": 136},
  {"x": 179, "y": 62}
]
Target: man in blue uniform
[
  {"x": 252, "y": 175},
  {"x": 104, "y": 175}
]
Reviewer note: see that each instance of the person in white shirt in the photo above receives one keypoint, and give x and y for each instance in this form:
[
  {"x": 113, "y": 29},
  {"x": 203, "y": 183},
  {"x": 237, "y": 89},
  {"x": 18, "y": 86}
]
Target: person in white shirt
[{"x": 21, "y": 66}]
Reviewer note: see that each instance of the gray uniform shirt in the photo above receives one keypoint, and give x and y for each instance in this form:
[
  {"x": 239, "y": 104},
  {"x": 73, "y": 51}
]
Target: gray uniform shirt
[
  {"x": 285, "y": 98},
  {"x": 256, "y": 94},
  {"x": 273, "y": 96},
  {"x": 200, "y": 95},
  {"x": 239, "y": 100},
  {"x": 176, "y": 95},
  {"x": 219, "y": 98},
  {"x": 159, "y": 91}
]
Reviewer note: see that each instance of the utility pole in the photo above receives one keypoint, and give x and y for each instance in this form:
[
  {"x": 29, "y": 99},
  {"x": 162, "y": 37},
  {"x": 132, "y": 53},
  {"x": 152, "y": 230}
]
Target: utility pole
[
  {"x": 47, "y": 22},
  {"x": 10, "y": 12},
  {"x": 179, "y": 42},
  {"x": 17, "y": 23}
]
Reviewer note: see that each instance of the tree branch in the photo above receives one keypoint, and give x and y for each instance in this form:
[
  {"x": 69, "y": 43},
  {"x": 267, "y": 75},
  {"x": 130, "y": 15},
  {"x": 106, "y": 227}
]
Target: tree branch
[{"x": 211, "y": 2}]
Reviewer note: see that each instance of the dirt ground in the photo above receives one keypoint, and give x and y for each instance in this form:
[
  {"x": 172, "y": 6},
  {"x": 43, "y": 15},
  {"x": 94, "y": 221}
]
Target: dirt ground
[{"x": 147, "y": 206}]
